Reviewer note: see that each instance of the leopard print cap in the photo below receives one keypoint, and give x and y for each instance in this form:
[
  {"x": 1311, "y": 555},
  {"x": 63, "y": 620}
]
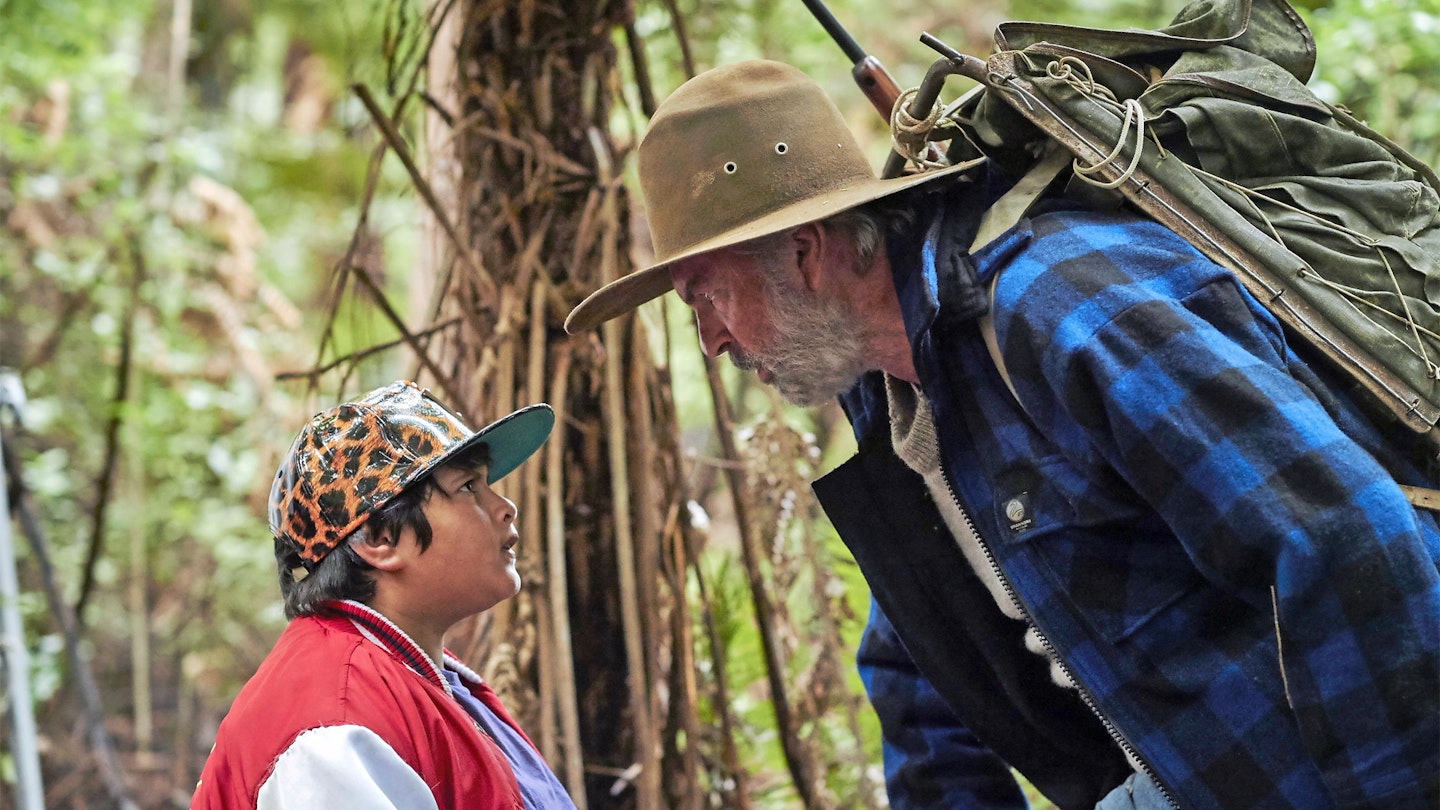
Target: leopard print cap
[{"x": 352, "y": 459}]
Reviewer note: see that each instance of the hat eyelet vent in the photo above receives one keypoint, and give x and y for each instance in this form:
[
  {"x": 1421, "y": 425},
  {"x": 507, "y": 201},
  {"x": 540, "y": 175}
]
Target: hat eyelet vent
[
  {"x": 781, "y": 148},
  {"x": 730, "y": 167}
]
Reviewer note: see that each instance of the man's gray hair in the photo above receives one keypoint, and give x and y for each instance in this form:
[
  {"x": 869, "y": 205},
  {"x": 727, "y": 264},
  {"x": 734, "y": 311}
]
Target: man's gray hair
[{"x": 866, "y": 226}]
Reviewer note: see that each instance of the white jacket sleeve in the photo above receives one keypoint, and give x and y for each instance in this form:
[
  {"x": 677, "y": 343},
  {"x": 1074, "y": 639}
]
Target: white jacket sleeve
[{"x": 343, "y": 768}]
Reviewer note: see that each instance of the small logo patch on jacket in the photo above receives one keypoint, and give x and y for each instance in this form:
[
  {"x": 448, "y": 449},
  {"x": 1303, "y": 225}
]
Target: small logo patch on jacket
[{"x": 1016, "y": 512}]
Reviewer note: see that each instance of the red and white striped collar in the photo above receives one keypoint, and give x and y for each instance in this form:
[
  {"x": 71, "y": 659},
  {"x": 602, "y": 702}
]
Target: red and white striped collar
[{"x": 374, "y": 626}]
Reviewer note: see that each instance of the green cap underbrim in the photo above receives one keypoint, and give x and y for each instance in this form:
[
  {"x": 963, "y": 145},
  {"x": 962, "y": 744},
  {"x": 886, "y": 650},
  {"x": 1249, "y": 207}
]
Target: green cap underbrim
[{"x": 511, "y": 439}]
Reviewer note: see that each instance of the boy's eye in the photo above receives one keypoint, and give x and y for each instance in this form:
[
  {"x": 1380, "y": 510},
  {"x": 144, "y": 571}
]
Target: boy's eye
[{"x": 474, "y": 482}]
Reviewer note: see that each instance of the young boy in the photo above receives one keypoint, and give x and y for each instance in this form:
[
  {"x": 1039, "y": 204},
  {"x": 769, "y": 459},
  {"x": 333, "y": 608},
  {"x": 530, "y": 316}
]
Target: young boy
[{"x": 387, "y": 534}]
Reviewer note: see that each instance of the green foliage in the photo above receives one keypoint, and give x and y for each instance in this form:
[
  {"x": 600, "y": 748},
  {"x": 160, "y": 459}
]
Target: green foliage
[
  {"x": 196, "y": 236},
  {"x": 46, "y": 38},
  {"x": 1381, "y": 59}
]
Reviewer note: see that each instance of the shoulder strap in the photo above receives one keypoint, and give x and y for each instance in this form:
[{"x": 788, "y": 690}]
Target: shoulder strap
[
  {"x": 1422, "y": 498},
  {"x": 1000, "y": 218}
]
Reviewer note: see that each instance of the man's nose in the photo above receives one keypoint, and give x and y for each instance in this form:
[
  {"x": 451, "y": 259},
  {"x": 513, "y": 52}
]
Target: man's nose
[{"x": 715, "y": 339}]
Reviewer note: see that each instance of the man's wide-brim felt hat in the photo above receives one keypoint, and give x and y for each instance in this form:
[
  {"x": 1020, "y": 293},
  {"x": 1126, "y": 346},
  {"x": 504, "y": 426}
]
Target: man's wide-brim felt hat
[{"x": 740, "y": 152}]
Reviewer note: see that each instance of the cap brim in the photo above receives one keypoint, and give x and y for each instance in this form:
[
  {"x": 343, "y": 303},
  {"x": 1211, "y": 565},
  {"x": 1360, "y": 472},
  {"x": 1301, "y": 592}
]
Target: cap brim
[
  {"x": 511, "y": 439},
  {"x": 624, "y": 294}
]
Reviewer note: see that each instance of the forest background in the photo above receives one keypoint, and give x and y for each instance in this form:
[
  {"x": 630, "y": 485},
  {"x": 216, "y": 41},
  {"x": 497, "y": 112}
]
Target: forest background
[{"x": 217, "y": 218}]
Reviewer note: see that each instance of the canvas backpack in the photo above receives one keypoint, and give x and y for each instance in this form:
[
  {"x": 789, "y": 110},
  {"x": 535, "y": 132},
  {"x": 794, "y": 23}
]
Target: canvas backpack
[{"x": 1207, "y": 126}]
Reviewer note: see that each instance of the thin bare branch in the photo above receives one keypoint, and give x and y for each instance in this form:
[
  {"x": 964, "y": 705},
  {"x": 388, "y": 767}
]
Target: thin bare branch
[
  {"x": 68, "y": 314},
  {"x": 531, "y": 529},
  {"x": 443, "y": 380},
  {"x": 677, "y": 22},
  {"x": 355, "y": 357},
  {"x": 643, "y": 452},
  {"x": 342, "y": 269},
  {"x": 641, "y": 67},
  {"x": 647, "y": 751},
  {"x": 105, "y": 480},
  {"x": 392, "y": 137},
  {"x": 559, "y": 600}
]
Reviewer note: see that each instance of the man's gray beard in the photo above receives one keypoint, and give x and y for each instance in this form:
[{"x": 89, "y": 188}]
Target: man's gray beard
[{"x": 818, "y": 350}]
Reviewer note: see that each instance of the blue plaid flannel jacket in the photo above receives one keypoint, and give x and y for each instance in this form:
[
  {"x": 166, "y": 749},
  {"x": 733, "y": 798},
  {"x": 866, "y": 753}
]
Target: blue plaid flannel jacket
[{"x": 1207, "y": 533}]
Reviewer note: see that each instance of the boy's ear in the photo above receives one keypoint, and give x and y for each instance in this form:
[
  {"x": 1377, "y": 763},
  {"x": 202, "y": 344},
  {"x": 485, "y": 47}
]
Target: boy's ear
[{"x": 381, "y": 550}]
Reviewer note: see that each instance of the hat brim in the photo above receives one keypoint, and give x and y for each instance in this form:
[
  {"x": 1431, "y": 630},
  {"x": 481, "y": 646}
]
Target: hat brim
[
  {"x": 511, "y": 440},
  {"x": 624, "y": 294}
]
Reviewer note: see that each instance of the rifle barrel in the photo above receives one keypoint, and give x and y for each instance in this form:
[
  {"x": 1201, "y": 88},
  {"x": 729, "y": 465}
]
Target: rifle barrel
[{"x": 837, "y": 32}]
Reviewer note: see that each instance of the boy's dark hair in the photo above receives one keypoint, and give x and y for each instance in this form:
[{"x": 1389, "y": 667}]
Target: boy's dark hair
[{"x": 343, "y": 574}]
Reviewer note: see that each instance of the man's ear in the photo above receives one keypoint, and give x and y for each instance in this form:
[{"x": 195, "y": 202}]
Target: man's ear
[
  {"x": 809, "y": 242},
  {"x": 381, "y": 550}
]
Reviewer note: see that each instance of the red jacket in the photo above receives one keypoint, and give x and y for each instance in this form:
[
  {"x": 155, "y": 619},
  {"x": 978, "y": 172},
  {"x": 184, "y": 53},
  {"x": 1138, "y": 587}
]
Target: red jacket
[{"x": 324, "y": 672}]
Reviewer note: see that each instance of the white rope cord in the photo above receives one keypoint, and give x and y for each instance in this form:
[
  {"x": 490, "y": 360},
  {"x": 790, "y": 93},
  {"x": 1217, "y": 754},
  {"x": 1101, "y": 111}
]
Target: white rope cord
[
  {"x": 1076, "y": 73},
  {"x": 1250, "y": 198},
  {"x": 1360, "y": 296},
  {"x": 911, "y": 135},
  {"x": 1357, "y": 296},
  {"x": 1363, "y": 239},
  {"x": 1134, "y": 117}
]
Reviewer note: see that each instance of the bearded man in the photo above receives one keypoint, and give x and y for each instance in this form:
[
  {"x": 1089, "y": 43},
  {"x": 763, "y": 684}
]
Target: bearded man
[{"x": 1166, "y": 563}]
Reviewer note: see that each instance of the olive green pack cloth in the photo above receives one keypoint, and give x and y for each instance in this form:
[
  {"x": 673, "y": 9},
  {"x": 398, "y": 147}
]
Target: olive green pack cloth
[{"x": 1334, "y": 228}]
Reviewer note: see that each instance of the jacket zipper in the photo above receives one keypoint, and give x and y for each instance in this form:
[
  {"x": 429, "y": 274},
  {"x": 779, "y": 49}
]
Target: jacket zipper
[{"x": 1115, "y": 734}]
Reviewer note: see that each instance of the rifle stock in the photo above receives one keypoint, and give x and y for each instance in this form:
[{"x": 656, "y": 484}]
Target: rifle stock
[
  {"x": 871, "y": 77},
  {"x": 877, "y": 85}
]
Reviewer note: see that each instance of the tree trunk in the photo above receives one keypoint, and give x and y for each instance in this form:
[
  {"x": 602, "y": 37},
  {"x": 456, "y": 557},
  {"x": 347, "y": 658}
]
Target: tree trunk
[{"x": 541, "y": 212}]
